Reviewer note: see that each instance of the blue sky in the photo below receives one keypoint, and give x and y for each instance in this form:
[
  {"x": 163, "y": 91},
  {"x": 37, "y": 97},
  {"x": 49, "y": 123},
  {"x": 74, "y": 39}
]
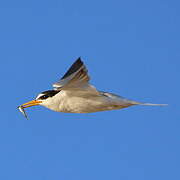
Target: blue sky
[{"x": 131, "y": 48}]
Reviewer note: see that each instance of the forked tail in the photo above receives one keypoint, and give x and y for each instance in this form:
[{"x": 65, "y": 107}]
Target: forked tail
[{"x": 150, "y": 104}]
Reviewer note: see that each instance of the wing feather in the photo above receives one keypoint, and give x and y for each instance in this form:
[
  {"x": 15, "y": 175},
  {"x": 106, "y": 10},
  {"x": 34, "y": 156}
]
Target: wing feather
[
  {"x": 76, "y": 78},
  {"x": 74, "y": 68}
]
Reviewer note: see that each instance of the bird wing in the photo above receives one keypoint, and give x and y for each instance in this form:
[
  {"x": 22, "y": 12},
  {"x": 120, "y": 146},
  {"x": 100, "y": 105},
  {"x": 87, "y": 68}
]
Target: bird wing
[{"x": 76, "y": 78}]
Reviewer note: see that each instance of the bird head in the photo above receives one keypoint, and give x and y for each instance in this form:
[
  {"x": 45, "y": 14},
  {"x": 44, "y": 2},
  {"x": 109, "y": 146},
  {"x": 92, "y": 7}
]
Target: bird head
[{"x": 41, "y": 98}]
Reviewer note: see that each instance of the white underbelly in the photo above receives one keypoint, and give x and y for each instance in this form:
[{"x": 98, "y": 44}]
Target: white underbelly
[
  {"x": 84, "y": 105},
  {"x": 64, "y": 102}
]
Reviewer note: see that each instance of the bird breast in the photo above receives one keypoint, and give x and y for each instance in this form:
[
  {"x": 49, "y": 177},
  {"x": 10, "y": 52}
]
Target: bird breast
[{"x": 65, "y": 102}]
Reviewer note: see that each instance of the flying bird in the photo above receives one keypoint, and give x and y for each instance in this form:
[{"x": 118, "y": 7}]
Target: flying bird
[{"x": 74, "y": 94}]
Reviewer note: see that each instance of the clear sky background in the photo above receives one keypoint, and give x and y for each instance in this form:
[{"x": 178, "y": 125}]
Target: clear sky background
[{"x": 131, "y": 48}]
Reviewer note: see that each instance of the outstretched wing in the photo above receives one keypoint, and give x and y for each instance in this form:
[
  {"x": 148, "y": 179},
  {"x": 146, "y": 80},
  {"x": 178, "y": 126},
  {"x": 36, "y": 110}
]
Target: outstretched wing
[{"x": 76, "y": 78}]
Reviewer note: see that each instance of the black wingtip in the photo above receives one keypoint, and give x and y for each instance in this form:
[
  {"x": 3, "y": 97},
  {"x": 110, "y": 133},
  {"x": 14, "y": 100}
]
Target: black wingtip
[
  {"x": 78, "y": 62},
  {"x": 74, "y": 67},
  {"x": 78, "y": 59}
]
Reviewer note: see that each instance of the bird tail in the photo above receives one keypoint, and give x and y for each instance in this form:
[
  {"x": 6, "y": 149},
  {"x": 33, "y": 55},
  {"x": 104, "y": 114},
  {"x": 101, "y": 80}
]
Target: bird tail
[
  {"x": 144, "y": 104},
  {"x": 150, "y": 104}
]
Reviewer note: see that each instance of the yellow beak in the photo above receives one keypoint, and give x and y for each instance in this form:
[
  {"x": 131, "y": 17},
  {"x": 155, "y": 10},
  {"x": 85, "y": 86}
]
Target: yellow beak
[{"x": 31, "y": 103}]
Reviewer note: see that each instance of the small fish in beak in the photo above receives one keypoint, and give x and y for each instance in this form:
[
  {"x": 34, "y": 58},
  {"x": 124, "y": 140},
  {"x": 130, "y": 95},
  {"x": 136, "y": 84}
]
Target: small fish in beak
[
  {"x": 21, "y": 109},
  {"x": 26, "y": 105}
]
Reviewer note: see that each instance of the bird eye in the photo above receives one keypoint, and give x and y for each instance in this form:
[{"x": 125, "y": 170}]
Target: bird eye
[{"x": 44, "y": 97}]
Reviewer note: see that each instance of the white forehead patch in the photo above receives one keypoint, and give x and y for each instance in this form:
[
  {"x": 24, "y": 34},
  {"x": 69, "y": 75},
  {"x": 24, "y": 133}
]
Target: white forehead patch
[{"x": 39, "y": 95}]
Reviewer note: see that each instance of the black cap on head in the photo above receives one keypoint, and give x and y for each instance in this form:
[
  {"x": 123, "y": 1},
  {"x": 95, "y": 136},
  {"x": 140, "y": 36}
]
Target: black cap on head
[{"x": 46, "y": 94}]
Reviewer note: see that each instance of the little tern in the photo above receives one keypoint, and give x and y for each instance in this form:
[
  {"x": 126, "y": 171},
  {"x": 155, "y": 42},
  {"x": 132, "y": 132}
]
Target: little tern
[{"x": 73, "y": 94}]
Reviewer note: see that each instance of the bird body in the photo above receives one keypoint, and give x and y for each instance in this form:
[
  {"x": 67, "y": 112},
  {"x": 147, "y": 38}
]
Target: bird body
[
  {"x": 69, "y": 102},
  {"x": 73, "y": 94}
]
